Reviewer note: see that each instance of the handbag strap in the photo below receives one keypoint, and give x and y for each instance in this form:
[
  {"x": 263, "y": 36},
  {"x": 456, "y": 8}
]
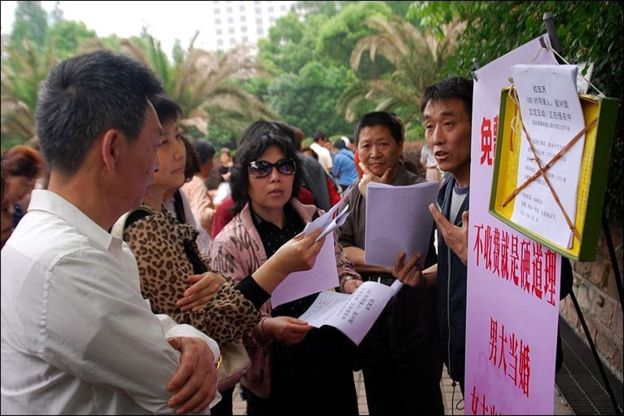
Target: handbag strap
[
  {"x": 190, "y": 248},
  {"x": 128, "y": 218}
]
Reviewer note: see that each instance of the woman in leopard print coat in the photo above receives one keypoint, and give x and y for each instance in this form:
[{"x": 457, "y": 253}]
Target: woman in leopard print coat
[{"x": 167, "y": 254}]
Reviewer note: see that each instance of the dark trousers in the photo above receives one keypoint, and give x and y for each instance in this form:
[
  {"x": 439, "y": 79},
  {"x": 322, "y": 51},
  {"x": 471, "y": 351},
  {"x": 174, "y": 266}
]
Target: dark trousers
[
  {"x": 224, "y": 407},
  {"x": 400, "y": 359},
  {"x": 256, "y": 406},
  {"x": 314, "y": 377}
]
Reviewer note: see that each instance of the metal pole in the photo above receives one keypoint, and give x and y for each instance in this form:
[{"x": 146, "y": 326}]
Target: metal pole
[{"x": 552, "y": 33}]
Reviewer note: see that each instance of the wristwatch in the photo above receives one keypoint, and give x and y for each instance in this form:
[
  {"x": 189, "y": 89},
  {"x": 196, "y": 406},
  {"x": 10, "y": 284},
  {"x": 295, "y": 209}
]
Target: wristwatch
[{"x": 345, "y": 280}]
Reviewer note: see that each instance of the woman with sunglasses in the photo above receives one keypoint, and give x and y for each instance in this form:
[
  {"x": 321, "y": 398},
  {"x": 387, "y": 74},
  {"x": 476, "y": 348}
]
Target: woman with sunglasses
[{"x": 295, "y": 375}]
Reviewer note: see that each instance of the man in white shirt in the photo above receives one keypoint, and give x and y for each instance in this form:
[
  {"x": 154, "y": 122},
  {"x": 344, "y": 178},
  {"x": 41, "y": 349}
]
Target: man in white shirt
[
  {"x": 321, "y": 146},
  {"x": 77, "y": 336}
]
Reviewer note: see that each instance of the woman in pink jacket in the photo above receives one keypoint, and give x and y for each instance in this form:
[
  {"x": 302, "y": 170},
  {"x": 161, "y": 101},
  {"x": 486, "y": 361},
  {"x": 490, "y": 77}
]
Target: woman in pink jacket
[{"x": 291, "y": 374}]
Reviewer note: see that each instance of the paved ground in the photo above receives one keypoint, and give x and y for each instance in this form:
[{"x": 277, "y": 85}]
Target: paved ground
[{"x": 453, "y": 405}]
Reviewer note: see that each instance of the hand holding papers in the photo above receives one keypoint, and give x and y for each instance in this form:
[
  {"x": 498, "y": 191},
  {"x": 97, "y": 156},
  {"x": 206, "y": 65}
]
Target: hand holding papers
[
  {"x": 354, "y": 314},
  {"x": 324, "y": 273},
  {"x": 398, "y": 219},
  {"x": 340, "y": 219}
]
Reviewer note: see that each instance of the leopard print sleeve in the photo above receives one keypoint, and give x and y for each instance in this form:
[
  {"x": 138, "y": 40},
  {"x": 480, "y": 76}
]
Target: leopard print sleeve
[
  {"x": 230, "y": 315},
  {"x": 158, "y": 245}
]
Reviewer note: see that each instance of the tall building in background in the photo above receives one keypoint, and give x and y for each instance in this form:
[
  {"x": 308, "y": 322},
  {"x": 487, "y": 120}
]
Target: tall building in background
[{"x": 232, "y": 22}]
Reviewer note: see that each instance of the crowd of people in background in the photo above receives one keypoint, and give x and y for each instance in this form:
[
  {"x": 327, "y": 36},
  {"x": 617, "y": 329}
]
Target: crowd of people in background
[
  {"x": 209, "y": 255},
  {"x": 24, "y": 169}
]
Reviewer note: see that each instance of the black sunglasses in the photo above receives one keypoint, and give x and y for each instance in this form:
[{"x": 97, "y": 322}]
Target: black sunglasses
[{"x": 262, "y": 168}]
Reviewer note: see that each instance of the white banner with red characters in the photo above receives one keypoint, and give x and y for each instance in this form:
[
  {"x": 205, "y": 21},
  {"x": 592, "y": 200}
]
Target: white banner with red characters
[{"x": 513, "y": 282}]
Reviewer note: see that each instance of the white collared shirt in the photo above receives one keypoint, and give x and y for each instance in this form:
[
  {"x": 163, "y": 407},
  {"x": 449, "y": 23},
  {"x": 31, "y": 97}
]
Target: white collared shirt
[
  {"x": 324, "y": 156},
  {"x": 77, "y": 336}
]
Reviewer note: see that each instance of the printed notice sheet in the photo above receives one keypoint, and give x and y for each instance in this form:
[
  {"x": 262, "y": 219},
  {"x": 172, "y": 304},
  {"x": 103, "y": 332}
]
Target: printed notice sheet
[
  {"x": 398, "y": 219},
  {"x": 552, "y": 114},
  {"x": 324, "y": 273},
  {"x": 353, "y": 314}
]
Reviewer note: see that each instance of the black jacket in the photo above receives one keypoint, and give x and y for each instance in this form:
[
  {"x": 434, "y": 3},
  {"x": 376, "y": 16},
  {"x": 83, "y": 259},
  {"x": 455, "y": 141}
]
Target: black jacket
[
  {"x": 451, "y": 291},
  {"x": 315, "y": 179}
]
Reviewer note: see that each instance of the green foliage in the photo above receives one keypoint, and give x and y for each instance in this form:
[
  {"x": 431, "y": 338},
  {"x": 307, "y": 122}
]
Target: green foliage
[
  {"x": 432, "y": 14},
  {"x": 257, "y": 86},
  {"x": 30, "y": 24},
  {"x": 177, "y": 52},
  {"x": 220, "y": 137},
  {"x": 415, "y": 56},
  {"x": 339, "y": 34},
  {"x": 325, "y": 8},
  {"x": 24, "y": 67},
  {"x": 289, "y": 45},
  {"x": 308, "y": 100},
  {"x": 216, "y": 136},
  {"x": 67, "y": 36},
  {"x": 400, "y": 8},
  {"x": 302, "y": 52},
  {"x": 30, "y": 51}
]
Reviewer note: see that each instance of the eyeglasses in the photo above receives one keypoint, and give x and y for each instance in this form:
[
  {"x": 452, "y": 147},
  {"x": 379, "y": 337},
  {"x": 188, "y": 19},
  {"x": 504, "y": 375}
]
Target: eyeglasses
[{"x": 261, "y": 168}]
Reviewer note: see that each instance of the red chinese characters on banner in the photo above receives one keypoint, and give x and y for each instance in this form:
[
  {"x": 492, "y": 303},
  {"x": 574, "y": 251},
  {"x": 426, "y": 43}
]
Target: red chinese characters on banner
[
  {"x": 480, "y": 405},
  {"x": 524, "y": 263},
  {"x": 489, "y": 129},
  {"x": 511, "y": 355}
]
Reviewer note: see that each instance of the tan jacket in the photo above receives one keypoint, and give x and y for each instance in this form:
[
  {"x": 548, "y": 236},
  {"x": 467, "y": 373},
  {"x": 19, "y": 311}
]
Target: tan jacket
[{"x": 200, "y": 201}]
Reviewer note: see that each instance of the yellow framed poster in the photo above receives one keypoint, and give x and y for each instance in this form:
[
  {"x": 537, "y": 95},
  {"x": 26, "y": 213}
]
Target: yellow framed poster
[{"x": 600, "y": 115}]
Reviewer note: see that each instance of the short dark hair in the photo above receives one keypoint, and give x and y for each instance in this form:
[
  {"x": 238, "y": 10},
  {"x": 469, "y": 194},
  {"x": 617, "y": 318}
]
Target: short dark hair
[
  {"x": 191, "y": 165},
  {"x": 205, "y": 151},
  {"x": 381, "y": 118},
  {"x": 339, "y": 143},
  {"x": 257, "y": 138},
  {"x": 260, "y": 126},
  {"x": 309, "y": 149},
  {"x": 318, "y": 136},
  {"x": 168, "y": 111},
  {"x": 453, "y": 87},
  {"x": 87, "y": 95},
  {"x": 166, "y": 108}
]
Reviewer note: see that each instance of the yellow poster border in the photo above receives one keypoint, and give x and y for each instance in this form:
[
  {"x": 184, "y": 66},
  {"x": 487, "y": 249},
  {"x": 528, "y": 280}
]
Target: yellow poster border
[{"x": 593, "y": 172}]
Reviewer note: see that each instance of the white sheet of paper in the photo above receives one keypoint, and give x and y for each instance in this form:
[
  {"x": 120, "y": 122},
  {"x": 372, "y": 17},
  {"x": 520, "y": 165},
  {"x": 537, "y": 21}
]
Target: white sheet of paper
[
  {"x": 398, "y": 218},
  {"x": 354, "y": 314},
  {"x": 324, "y": 273},
  {"x": 336, "y": 223},
  {"x": 552, "y": 114}
]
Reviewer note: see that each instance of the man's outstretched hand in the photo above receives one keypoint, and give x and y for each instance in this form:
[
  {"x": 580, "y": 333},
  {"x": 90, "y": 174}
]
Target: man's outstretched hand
[{"x": 456, "y": 238}]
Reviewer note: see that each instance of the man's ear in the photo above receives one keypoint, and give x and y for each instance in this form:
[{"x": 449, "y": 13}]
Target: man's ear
[{"x": 112, "y": 142}]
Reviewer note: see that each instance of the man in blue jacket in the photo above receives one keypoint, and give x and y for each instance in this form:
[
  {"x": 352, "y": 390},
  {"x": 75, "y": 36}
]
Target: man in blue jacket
[
  {"x": 446, "y": 109},
  {"x": 344, "y": 168}
]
